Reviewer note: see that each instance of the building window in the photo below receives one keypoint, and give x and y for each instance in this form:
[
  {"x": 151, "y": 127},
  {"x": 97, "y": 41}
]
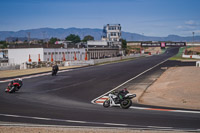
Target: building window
[
  {"x": 59, "y": 52},
  {"x": 56, "y": 52},
  {"x": 49, "y": 53},
  {"x": 45, "y": 53}
]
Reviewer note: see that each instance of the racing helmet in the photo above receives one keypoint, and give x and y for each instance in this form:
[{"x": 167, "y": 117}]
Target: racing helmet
[
  {"x": 125, "y": 89},
  {"x": 19, "y": 79}
]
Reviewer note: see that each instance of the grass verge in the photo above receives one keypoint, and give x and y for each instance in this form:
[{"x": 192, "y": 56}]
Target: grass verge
[{"x": 178, "y": 56}]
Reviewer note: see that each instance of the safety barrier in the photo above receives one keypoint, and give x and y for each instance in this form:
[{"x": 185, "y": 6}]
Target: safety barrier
[{"x": 198, "y": 64}]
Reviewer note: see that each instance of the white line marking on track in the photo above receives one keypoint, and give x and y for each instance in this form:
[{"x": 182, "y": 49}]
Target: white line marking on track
[
  {"x": 93, "y": 101},
  {"x": 158, "y": 127},
  {"x": 61, "y": 120},
  {"x": 33, "y": 76},
  {"x": 168, "y": 110},
  {"x": 99, "y": 100},
  {"x": 75, "y": 121},
  {"x": 115, "y": 124},
  {"x": 186, "y": 111}
]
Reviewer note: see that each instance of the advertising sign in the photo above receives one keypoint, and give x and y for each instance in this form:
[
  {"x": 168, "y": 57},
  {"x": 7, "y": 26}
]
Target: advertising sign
[
  {"x": 175, "y": 44},
  {"x": 162, "y": 44},
  {"x": 150, "y": 44}
]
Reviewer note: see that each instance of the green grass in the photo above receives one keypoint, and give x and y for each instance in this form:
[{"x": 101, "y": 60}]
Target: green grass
[
  {"x": 163, "y": 50},
  {"x": 178, "y": 56}
]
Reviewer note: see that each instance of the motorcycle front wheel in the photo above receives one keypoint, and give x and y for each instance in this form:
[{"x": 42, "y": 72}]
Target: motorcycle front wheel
[
  {"x": 125, "y": 104},
  {"x": 12, "y": 90},
  {"x": 106, "y": 103}
]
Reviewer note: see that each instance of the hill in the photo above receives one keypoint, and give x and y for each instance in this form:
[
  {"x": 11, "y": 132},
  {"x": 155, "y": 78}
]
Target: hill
[{"x": 61, "y": 33}]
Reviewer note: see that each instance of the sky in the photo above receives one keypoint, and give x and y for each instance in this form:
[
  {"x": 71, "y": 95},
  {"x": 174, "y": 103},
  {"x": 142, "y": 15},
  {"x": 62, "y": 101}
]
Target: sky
[{"x": 147, "y": 17}]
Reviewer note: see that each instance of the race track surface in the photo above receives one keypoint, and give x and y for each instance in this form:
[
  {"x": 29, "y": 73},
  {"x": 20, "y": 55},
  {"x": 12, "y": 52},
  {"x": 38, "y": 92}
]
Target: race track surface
[{"x": 65, "y": 99}]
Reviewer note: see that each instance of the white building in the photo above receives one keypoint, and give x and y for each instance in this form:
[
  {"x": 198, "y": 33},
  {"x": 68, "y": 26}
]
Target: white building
[
  {"x": 111, "y": 37},
  {"x": 97, "y": 43},
  {"x": 112, "y": 32},
  {"x": 23, "y": 55}
]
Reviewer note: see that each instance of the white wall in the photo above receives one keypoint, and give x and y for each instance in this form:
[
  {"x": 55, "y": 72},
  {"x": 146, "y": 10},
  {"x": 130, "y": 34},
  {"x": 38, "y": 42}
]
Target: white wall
[
  {"x": 18, "y": 56},
  {"x": 189, "y": 56},
  {"x": 97, "y": 43},
  {"x": 69, "y": 54},
  {"x": 193, "y": 44}
]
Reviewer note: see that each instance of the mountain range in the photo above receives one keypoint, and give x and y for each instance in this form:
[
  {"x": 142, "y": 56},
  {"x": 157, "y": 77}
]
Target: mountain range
[{"x": 61, "y": 33}]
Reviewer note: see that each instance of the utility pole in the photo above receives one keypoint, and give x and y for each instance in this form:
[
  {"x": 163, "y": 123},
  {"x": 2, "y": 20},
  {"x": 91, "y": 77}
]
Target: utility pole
[
  {"x": 193, "y": 43},
  {"x": 29, "y": 36}
]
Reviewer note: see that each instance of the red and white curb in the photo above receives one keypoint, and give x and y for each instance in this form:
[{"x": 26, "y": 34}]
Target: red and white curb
[{"x": 101, "y": 100}]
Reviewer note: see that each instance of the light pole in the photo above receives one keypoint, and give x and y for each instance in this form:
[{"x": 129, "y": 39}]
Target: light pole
[{"x": 193, "y": 43}]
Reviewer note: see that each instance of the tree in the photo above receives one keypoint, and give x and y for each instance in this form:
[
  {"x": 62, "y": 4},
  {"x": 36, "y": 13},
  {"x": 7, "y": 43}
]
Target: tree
[
  {"x": 3, "y": 44},
  {"x": 53, "y": 40},
  {"x": 124, "y": 43},
  {"x": 41, "y": 42},
  {"x": 87, "y": 38},
  {"x": 73, "y": 38}
]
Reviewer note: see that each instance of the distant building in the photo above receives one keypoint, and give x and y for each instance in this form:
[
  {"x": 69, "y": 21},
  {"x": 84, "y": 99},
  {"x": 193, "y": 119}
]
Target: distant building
[
  {"x": 97, "y": 43},
  {"x": 109, "y": 45},
  {"x": 25, "y": 55},
  {"x": 112, "y": 32},
  {"x": 111, "y": 37}
]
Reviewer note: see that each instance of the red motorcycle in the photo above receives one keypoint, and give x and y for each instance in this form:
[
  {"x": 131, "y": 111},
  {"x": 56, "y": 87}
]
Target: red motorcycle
[{"x": 14, "y": 86}]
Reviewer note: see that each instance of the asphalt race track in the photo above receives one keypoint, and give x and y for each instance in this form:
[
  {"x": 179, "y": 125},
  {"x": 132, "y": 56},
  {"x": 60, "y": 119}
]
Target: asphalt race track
[{"x": 65, "y": 99}]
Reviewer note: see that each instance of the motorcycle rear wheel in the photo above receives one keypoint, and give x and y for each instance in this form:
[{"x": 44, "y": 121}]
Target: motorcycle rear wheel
[
  {"x": 106, "y": 103},
  {"x": 126, "y": 103}
]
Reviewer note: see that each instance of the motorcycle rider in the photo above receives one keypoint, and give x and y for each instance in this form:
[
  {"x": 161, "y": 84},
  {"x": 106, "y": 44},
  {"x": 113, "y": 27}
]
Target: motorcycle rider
[
  {"x": 121, "y": 94},
  {"x": 55, "y": 69},
  {"x": 12, "y": 83}
]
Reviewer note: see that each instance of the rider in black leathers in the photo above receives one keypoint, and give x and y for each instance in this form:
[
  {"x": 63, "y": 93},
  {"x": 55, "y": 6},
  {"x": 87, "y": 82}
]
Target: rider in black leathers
[
  {"x": 121, "y": 94},
  {"x": 55, "y": 70}
]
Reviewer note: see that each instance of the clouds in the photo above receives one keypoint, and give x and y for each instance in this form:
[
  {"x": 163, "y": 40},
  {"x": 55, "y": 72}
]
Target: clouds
[
  {"x": 152, "y": 17},
  {"x": 192, "y": 23},
  {"x": 189, "y": 26}
]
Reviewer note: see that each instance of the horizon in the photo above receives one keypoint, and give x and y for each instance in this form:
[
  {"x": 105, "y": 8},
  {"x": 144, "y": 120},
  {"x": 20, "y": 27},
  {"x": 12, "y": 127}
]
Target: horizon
[
  {"x": 98, "y": 29},
  {"x": 144, "y": 17}
]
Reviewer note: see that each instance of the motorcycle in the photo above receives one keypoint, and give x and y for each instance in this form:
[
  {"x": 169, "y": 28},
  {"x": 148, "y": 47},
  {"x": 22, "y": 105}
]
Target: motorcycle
[
  {"x": 54, "y": 72},
  {"x": 13, "y": 87},
  {"x": 113, "y": 100}
]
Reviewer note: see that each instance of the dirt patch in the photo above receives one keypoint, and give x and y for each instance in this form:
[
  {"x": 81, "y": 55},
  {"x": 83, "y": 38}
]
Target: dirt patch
[
  {"x": 10, "y": 129},
  {"x": 197, "y": 49},
  {"x": 13, "y": 73},
  {"x": 177, "y": 87},
  {"x": 153, "y": 50}
]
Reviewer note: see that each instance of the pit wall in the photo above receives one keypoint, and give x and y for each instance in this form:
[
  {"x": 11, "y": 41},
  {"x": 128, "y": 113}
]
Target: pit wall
[
  {"x": 24, "y": 65},
  {"x": 98, "y": 61},
  {"x": 191, "y": 56}
]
